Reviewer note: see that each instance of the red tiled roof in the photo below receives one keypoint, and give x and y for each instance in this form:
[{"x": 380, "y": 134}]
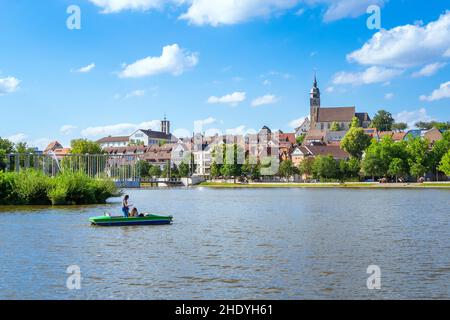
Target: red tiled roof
[
  {"x": 336, "y": 114},
  {"x": 113, "y": 139},
  {"x": 52, "y": 146},
  {"x": 334, "y": 151}
]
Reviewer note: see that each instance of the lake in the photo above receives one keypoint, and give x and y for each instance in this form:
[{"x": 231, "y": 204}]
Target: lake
[{"x": 235, "y": 244}]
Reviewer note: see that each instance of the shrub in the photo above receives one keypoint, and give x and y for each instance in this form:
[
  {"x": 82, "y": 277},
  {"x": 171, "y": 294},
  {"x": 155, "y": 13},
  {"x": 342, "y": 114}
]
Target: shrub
[
  {"x": 30, "y": 187},
  {"x": 34, "y": 187}
]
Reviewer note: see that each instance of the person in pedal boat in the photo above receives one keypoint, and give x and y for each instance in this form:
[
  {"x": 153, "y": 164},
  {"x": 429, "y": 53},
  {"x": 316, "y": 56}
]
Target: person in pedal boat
[
  {"x": 135, "y": 213},
  {"x": 126, "y": 206}
]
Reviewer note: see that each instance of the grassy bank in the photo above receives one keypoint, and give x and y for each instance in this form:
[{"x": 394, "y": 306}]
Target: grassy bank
[
  {"x": 32, "y": 187},
  {"x": 327, "y": 185}
]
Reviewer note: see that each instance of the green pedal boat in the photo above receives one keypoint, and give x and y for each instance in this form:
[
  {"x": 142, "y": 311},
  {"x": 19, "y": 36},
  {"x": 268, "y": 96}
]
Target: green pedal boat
[{"x": 108, "y": 221}]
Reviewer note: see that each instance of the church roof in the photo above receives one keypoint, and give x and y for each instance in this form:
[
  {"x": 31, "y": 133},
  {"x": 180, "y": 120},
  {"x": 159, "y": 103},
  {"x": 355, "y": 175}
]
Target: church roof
[{"x": 335, "y": 114}]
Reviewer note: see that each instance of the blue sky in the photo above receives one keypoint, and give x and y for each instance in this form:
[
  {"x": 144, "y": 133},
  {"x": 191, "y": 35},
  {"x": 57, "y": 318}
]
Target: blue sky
[{"x": 234, "y": 67}]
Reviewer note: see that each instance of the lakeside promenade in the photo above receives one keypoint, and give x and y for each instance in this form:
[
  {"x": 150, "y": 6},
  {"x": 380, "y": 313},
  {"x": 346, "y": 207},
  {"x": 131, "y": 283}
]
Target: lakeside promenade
[{"x": 359, "y": 185}]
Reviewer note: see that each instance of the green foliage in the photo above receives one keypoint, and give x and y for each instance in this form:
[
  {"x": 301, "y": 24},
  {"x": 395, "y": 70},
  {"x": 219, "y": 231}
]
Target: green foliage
[
  {"x": 84, "y": 146},
  {"x": 30, "y": 187},
  {"x": 154, "y": 171},
  {"x": 306, "y": 166},
  {"x": 144, "y": 168},
  {"x": 401, "y": 126},
  {"x": 300, "y": 138},
  {"x": 355, "y": 142},
  {"x": 355, "y": 123},
  {"x": 383, "y": 121},
  {"x": 6, "y": 145},
  {"x": 335, "y": 126},
  {"x": 287, "y": 169},
  {"x": 419, "y": 156},
  {"x": 215, "y": 170},
  {"x": 444, "y": 165},
  {"x": 325, "y": 168},
  {"x": 433, "y": 124},
  {"x": 251, "y": 170},
  {"x": 183, "y": 170},
  {"x": 397, "y": 168}
]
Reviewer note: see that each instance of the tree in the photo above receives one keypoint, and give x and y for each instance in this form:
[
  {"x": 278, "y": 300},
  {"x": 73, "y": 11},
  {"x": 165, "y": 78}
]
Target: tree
[
  {"x": 372, "y": 163},
  {"x": 440, "y": 148},
  {"x": 383, "y": 121},
  {"x": 433, "y": 124},
  {"x": 154, "y": 171},
  {"x": 183, "y": 170},
  {"x": 352, "y": 168},
  {"x": 335, "y": 126},
  {"x": 355, "y": 123},
  {"x": 418, "y": 156},
  {"x": 306, "y": 166},
  {"x": 251, "y": 170},
  {"x": 84, "y": 146},
  {"x": 444, "y": 165},
  {"x": 144, "y": 168},
  {"x": 355, "y": 142},
  {"x": 215, "y": 170},
  {"x": 401, "y": 126},
  {"x": 286, "y": 169},
  {"x": 325, "y": 167},
  {"x": 6, "y": 145},
  {"x": 397, "y": 168},
  {"x": 300, "y": 138}
]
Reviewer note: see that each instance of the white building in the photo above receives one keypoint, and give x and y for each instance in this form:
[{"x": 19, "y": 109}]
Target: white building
[{"x": 113, "y": 142}]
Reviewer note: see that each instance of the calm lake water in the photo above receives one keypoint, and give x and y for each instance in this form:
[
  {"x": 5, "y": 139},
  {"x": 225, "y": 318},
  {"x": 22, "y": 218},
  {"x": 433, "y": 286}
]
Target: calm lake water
[{"x": 235, "y": 244}]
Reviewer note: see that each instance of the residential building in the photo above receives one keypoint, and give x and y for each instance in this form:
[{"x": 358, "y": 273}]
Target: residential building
[
  {"x": 113, "y": 142},
  {"x": 303, "y": 128}
]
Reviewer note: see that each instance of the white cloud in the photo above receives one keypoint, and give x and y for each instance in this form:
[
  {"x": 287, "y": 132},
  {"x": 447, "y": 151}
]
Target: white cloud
[
  {"x": 340, "y": 9},
  {"x": 389, "y": 96},
  {"x": 371, "y": 75},
  {"x": 18, "y": 137},
  {"x": 297, "y": 122},
  {"x": 233, "y": 98},
  {"x": 67, "y": 129},
  {"x": 135, "y": 93},
  {"x": 412, "y": 117},
  {"x": 224, "y": 12},
  {"x": 173, "y": 60},
  {"x": 119, "y": 129},
  {"x": 8, "y": 85},
  {"x": 267, "y": 82},
  {"x": 114, "y": 6},
  {"x": 86, "y": 69},
  {"x": 407, "y": 45},
  {"x": 438, "y": 94},
  {"x": 264, "y": 100},
  {"x": 228, "y": 12},
  {"x": 240, "y": 130},
  {"x": 330, "y": 89},
  {"x": 429, "y": 70},
  {"x": 204, "y": 122}
]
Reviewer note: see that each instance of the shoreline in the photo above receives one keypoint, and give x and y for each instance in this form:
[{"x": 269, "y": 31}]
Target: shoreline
[{"x": 347, "y": 185}]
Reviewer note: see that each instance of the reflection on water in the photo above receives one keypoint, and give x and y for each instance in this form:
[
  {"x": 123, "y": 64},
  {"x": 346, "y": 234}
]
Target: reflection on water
[{"x": 235, "y": 244}]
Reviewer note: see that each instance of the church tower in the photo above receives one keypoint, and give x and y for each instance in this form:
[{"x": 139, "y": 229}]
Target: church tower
[
  {"x": 314, "y": 103},
  {"x": 165, "y": 126}
]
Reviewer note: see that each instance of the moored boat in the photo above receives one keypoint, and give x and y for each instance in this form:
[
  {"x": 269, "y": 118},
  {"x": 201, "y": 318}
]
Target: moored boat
[{"x": 108, "y": 221}]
